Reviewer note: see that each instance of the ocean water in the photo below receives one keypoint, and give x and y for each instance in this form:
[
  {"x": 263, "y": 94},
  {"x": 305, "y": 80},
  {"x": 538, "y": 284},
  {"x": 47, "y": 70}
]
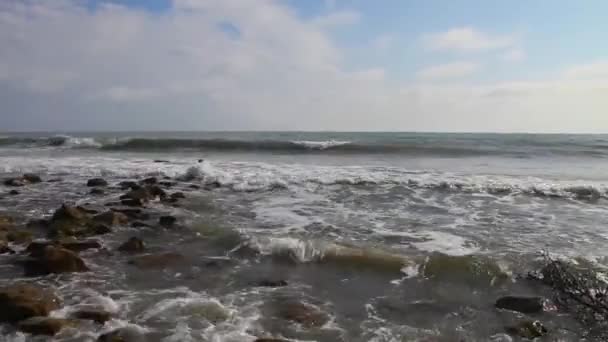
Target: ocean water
[{"x": 394, "y": 236}]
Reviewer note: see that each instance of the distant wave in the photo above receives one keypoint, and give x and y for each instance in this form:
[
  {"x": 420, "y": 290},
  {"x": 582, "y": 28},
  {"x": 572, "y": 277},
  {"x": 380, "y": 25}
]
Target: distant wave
[{"x": 445, "y": 148}]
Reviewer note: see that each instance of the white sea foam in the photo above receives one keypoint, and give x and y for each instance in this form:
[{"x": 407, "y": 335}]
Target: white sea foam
[{"x": 320, "y": 145}]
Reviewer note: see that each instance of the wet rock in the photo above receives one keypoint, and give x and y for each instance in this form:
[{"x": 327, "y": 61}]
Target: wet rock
[
  {"x": 14, "y": 182},
  {"x": 142, "y": 195},
  {"x": 44, "y": 325},
  {"x": 68, "y": 220},
  {"x": 100, "y": 229},
  {"x": 304, "y": 314},
  {"x": 87, "y": 210},
  {"x": 97, "y": 191},
  {"x": 270, "y": 340},
  {"x": 166, "y": 184},
  {"x": 22, "y": 301},
  {"x": 19, "y": 236},
  {"x": 133, "y": 245},
  {"x": 271, "y": 283},
  {"x": 129, "y": 185},
  {"x": 80, "y": 246},
  {"x": 54, "y": 180},
  {"x": 157, "y": 191},
  {"x": 138, "y": 224},
  {"x": 167, "y": 221},
  {"x": 194, "y": 186},
  {"x": 14, "y": 192},
  {"x": 122, "y": 335},
  {"x": 133, "y": 213},
  {"x": 5, "y": 249},
  {"x": 161, "y": 161},
  {"x": 130, "y": 202},
  {"x": 97, "y": 316},
  {"x": 162, "y": 260},
  {"x": 213, "y": 185},
  {"x": 31, "y": 178},
  {"x": 528, "y": 305},
  {"x": 6, "y": 222},
  {"x": 54, "y": 260},
  {"x": 111, "y": 218},
  {"x": 527, "y": 329},
  {"x": 177, "y": 195},
  {"x": 472, "y": 269},
  {"x": 97, "y": 182},
  {"x": 149, "y": 181}
]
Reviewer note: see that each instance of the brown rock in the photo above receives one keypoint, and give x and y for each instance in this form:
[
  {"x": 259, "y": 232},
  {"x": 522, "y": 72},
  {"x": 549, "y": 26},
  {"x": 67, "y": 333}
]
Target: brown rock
[
  {"x": 69, "y": 221},
  {"x": 44, "y": 325},
  {"x": 19, "y": 236},
  {"x": 113, "y": 336},
  {"x": 141, "y": 194},
  {"x": 97, "y": 316},
  {"x": 99, "y": 229},
  {"x": 157, "y": 191},
  {"x": 79, "y": 246},
  {"x": 162, "y": 260},
  {"x": 55, "y": 260},
  {"x": 111, "y": 218},
  {"x": 128, "y": 185},
  {"x": 97, "y": 182},
  {"x": 22, "y": 301},
  {"x": 31, "y": 178},
  {"x": 133, "y": 245},
  {"x": 304, "y": 314}
]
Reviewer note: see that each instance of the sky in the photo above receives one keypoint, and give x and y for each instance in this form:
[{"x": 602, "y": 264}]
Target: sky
[{"x": 333, "y": 65}]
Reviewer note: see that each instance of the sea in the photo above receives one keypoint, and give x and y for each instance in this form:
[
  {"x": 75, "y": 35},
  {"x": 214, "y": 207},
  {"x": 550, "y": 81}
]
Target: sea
[{"x": 375, "y": 236}]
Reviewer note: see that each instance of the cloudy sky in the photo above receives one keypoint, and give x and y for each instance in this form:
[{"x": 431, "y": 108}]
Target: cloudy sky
[{"x": 398, "y": 65}]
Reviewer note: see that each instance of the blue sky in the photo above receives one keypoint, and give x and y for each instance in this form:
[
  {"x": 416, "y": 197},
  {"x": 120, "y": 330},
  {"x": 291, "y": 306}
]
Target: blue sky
[{"x": 467, "y": 65}]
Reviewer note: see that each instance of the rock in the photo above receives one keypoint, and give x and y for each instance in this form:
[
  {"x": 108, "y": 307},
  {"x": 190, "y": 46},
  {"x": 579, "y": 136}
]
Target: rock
[
  {"x": 141, "y": 194},
  {"x": 55, "y": 260},
  {"x": 99, "y": 229},
  {"x": 54, "y": 180},
  {"x": 194, "y": 186},
  {"x": 527, "y": 305},
  {"x": 97, "y": 191},
  {"x": 130, "y": 202},
  {"x": 97, "y": 316},
  {"x": 270, "y": 340},
  {"x": 22, "y": 301},
  {"x": 149, "y": 181},
  {"x": 79, "y": 246},
  {"x": 111, "y": 218},
  {"x": 44, "y": 325},
  {"x": 138, "y": 224},
  {"x": 213, "y": 185},
  {"x": 133, "y": 245},
  {"x": 6, "y": 222},
  {"x": 527, "y": 329},
  {"x": 271, "y": 283},
  {"x": 133, "y": 213},
  {"x": 122, "y": 335},
  {"x": 31, "y": 178},
  {"x": 167, "y": 221},
  {"x": 166, "y": 184},
  {"x": 19, "y": 236},
  {"x": 5, "y": 249},
  {"x": 14, "y": 182},
  {"x": 177, "y": 195},
  {"x": 14, "y": 192},
  {"x": 97, "y": 182},
  {"x": 129, "y": 185},
  {"x": 162, "y": 260},
  {"x": 305, "y": 314},
  {"x": 161, "y": 161},
  {"x": 157, "y": 191},
  {"x": 68, "y": 221}
]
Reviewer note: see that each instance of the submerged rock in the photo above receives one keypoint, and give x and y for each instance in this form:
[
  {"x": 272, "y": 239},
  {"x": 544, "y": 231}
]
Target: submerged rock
[
  {"x": 162, "y": 260},
  {"x": 14, "y": 192},
  {"x": 526, "y": 305},
  {"x": 14, "y": 182},
  {"x": 128, "y": 185},
  {"x": 177, "y": 195},
  {"x": 22, "y": 301},
  {"x": 471, "y": 269},
  {"x": 271, "y": 283},
  {"x": 133, "y": 245},
  {"x": 149, "y": 181},
  {"x": 122, "y": 335},
  {"x": 97, "y": 182},
  {"x": 32, "y": 178},
  {"x": 139, "y": 224},
  {"x": 28, "y": 178},
  {"x": 44, "y": 325},
  {"x": 97, "y": 316},
  {"x": 167, "y": 221},
  {"x": 304, "y": 314},
  {"x": 527, "y": 329},
  {"x": 97, "y": 191},
  {"x": 55, "y": 260},
  {"x": 111, "y": 218}
]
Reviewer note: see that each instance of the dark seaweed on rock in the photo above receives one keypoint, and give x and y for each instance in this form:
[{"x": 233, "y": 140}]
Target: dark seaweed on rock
[{"x": 577, "y": 290}]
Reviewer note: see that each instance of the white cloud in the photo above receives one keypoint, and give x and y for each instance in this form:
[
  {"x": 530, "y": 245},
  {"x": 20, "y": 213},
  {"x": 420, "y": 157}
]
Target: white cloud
[
  {"x": 595, "y": 70},
  {"x": 383, "y": 42},
  {"x": 467, "y": 39},
  {"x": 448, "y": 71},
  {"x": 65, "y": 67},
  {"x": 514, "y": 55}
]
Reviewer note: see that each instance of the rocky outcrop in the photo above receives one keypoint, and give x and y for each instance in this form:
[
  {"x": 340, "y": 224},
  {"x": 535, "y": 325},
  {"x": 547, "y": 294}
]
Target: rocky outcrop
[
  {"x": 14, "y": 192},
  {"x": 97, "y": 182},
  {"x": 157, "y": 261},
  {"x": 97, "y": 316},
  {"x": 527, "y": 329},
  {"x": 527, "y": 305},
  {"x": 23, "y": 301},
  {"x": 44, "y": 325},
  {"x": 133, "y": 245},
  {"x": 54, "y": 260}
]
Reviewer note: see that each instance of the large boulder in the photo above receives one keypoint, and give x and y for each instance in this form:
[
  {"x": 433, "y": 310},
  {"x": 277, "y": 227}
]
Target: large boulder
[
  {"x": 69, "y": 221},
  {"x": 54, "y": 260},
  {"x": 97, "y": 182},
  {"x": 44, "y": 325},
  {"x": 527, "y": 305},
  {"x": 111, "y": 218},
  {"x": 22, "y": 301},
  {"x": 157, "y": 261},
  {"x": 97, "y": 316},
  {"x": 133, "y": 245}
]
